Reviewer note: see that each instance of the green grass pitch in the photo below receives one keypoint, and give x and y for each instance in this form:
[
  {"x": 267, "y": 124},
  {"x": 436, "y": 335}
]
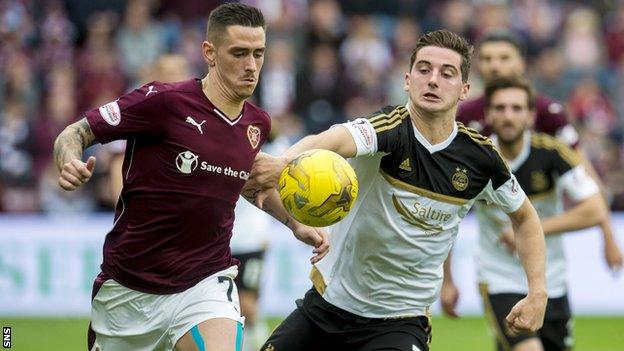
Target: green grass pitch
[{"x": 468, "y": 334}]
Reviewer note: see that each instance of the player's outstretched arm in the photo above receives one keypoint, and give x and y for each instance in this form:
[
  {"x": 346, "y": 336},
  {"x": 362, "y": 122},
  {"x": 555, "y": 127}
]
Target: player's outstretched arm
[
  {"x": 68, "y": 148},
  {"x": 528, "y": 314},
  {"x": 312, "y": 236}
]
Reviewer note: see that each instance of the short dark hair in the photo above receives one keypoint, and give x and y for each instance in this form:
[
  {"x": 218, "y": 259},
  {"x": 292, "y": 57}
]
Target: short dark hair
[
  {"x": 449, "y": 40},
  {"x": 506, "y": 83},
  {"x": 505, "y": 36},
  {"x": 232, "y": 14}
]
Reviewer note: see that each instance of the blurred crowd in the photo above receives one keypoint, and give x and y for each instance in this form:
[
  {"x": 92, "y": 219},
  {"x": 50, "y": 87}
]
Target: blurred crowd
[{"x": 327, "y": 61}]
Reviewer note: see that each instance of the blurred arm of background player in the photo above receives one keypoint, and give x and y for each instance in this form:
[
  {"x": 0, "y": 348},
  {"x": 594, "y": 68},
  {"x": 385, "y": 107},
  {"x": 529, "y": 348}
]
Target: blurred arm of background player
[
  {"x": 612, "y": 253},
  {"x": 586, "y": 213},
  {"x": 583, "y": 215}
]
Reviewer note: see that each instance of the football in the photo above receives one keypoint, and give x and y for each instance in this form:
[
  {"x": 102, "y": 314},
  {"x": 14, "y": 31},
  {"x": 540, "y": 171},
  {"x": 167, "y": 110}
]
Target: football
[{"x": 318, "y": 188}]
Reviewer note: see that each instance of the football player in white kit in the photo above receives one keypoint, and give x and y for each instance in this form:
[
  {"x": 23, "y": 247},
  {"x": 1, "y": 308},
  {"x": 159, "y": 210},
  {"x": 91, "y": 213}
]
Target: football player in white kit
[
  {"x": 419, "y": 173},
  {"x": 545, "y": 168}
]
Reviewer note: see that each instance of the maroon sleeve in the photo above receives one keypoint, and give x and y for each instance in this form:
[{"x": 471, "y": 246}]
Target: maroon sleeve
[
  {"x": 552, "y": 119},
  {"x": 472, "y": 111},
  {"x": 137, "y": 113}
]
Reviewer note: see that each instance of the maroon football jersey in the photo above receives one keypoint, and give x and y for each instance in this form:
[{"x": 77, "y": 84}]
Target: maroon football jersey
[
  {"x": 184, "y": 168},
  {"x": 551, "y": 118}
]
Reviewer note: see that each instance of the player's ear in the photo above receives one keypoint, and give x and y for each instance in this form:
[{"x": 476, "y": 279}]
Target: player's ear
[
  {"x": 407, "y": 79},
  {"x": 532, "y": 117},
  {"x": 464, "y": 92},
  {"x": 209, "y": 52}
]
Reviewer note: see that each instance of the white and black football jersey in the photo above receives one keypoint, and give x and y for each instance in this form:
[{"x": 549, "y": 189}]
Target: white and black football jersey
[{"x": 386, "y": 256}]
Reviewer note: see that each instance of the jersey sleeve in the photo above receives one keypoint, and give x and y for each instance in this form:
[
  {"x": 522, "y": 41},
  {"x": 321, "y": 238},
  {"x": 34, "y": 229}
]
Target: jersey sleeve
[
  {"x": 563, "y": 157},
  {"x": 577, "y": 184},
  {"x": 363, "y": 135},
  {"x": 377, "y": 132},
  {"x": 137, "y": 113},
  {"x": 503, "y": 188}
]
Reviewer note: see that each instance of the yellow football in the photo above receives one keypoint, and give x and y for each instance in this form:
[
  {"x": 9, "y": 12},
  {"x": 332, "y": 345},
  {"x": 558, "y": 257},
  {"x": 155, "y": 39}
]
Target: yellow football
[{"x": 318, "y": 188}]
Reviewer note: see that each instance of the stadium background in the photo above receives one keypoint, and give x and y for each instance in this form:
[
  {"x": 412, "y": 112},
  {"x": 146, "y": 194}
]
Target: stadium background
[{"x": 327, "y": 61}]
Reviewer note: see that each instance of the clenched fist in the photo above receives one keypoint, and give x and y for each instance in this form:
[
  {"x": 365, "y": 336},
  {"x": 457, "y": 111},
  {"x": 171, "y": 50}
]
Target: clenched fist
[{"x": 75, "y": 173}]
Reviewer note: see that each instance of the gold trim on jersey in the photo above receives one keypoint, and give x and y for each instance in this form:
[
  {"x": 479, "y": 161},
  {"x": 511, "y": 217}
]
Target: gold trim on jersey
[
  {"x": 317, "y": 280},
  {"x": 547, "y": 142},
  {"x": 480, "y": 139},
  {"x": 383, "y": 122},
  {"x": 491, "y": 317},
  {"x": 423, "y": 192}
]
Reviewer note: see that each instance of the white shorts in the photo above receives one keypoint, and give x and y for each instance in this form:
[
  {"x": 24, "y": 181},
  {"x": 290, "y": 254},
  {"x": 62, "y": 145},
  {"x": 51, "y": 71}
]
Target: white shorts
[{"x": 125, "y": 319}]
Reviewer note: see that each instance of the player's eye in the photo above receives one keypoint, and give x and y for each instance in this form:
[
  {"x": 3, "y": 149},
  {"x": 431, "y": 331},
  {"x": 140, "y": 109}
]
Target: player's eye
[
  {"x": 259, "y": 54},
  {"x": 499, "y": 108},
  {"x": 239, "y": 54}
]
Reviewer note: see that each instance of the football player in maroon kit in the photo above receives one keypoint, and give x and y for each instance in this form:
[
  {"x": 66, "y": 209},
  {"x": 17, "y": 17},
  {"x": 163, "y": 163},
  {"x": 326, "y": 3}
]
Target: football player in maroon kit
[
  {"x": 500, "y": 54},
  {"x": 167, "y": 279}
]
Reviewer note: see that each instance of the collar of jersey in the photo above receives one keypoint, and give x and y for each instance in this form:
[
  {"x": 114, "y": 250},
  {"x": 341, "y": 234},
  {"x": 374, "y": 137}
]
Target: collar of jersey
[
  {"x": 216, "y": 110},
  {"x": 524, "y": 153},
  {"x": 424, "y": 142}
]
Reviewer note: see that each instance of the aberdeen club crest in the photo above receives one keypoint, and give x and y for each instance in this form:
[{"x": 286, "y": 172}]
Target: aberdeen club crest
[{"x": 460, "y": 179}]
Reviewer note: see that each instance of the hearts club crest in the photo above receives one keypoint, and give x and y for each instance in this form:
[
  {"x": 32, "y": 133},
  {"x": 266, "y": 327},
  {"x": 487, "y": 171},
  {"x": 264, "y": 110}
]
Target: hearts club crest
[{"x": 253, "y": 134}]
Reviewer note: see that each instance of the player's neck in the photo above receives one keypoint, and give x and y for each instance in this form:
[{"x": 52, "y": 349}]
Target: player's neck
[
  {"x": 512, "y": 149},
  {"x": 436, "y": 128},
  {"x": 221, "y": 97}
]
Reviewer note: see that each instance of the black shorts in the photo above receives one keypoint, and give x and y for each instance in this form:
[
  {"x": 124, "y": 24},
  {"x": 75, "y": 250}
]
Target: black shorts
[
  {"x": 249, "y": 271},
  {"x": 318, "y": 325},
  {"x": 556, "y": 334}
]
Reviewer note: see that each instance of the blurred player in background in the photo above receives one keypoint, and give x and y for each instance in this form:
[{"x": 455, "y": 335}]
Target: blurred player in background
[
  {"x": 167, "y": 274},
  {"x": 500, "y": 54},
  {"x": 419, "y": 173},
  {"x": 546, "y": 168}
]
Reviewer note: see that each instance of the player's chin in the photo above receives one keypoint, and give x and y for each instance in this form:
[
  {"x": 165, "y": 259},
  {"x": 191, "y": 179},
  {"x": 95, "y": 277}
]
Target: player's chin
[
  {"x": 433, "y": 107},
  {"x": 246, "y": 91}
]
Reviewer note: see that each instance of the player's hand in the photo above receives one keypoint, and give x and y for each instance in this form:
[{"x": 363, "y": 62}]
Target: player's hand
[
  {"x": 508, "y": 240},
  {"x": 527, "y": 316},
  {"x": 314, "y": 237},
  {"x": 265, "y": 175},
  {"x": 75, "y": 173},
  {"x": 613, "y": 256},
  {"x": 449, "y": 296}
]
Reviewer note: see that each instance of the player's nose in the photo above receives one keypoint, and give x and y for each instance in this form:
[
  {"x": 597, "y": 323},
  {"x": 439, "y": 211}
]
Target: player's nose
[{"x": 250, "y": 64}]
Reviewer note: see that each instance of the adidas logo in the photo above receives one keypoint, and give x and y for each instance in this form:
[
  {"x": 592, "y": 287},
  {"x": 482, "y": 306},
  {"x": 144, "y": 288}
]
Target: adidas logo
[{"x": 405, "y": 165}]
